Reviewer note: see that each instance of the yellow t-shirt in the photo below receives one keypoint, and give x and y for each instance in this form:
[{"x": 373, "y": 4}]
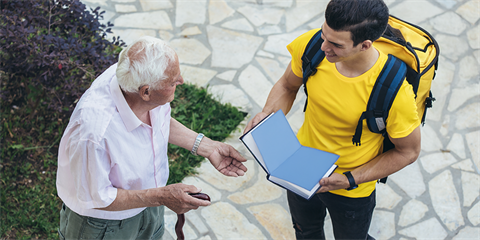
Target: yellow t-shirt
[{"x": 335, "y": 103}]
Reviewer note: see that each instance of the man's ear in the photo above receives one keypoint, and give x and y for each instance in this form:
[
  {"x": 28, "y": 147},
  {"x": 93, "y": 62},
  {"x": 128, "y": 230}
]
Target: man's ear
[
  {"x": 367, "y": 44},
  {"x": 145, "y": 93}
]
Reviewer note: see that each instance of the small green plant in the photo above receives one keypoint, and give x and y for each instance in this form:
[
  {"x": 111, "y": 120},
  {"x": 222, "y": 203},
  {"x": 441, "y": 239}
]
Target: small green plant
[{"x": 197, "y": 110}]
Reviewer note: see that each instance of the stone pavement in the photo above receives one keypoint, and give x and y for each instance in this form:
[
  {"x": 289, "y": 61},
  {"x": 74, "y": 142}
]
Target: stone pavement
[{"x": 237, "y": 49}]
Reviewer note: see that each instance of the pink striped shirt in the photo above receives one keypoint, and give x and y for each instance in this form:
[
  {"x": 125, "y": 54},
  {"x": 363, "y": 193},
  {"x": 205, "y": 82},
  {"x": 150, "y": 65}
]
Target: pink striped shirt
[{"x": 105, "y": 147}]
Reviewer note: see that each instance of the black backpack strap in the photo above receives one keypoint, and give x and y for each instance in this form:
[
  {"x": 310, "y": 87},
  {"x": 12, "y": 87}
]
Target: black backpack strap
[
  {"x": 312, "y": 56},
  {"x": 381, "y": 98}
]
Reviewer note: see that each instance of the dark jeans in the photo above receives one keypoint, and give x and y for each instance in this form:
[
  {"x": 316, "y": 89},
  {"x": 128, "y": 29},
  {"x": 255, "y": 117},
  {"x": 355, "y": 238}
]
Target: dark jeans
[
  {"x": 351, "y": 217},
  {"x": 148, "y": 224}
]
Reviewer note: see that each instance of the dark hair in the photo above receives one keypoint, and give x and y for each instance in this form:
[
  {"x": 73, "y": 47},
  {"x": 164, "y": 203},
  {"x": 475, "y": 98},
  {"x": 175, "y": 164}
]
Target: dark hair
[{"x": 365, "y": 19}]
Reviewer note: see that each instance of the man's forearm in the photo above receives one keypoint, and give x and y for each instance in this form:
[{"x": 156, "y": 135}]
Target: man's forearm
[
  {"x": 406, "y": 151},
  {"x": 129, "y": 199},
  {"x": 185, "y": 138}
]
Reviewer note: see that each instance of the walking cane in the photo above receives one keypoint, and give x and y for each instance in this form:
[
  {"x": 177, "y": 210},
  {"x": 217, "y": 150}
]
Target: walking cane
[{"x": 181, "y": 217}]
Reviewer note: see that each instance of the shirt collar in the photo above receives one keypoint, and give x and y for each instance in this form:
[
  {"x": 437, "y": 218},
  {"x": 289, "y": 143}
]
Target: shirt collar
[{"x": 129, "y": 118}]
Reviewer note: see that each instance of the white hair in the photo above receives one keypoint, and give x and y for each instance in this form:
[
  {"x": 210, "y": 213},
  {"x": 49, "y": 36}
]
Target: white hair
[{"x": 143, "y": 63}]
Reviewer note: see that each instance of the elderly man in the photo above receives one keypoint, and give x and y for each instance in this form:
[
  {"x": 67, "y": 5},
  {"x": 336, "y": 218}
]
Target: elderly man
[{"x": 112, "y": 163}]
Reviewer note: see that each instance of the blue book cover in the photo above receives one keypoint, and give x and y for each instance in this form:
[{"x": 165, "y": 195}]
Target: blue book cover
[{"x": 287, "y": 163}]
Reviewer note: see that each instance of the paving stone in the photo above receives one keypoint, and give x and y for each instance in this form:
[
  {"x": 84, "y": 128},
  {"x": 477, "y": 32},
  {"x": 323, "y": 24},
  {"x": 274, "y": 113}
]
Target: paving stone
[
  {"x": 468, "y": 233},
  {"x": 232, "y": 223},
  {"x": 231, "y": 184},
  {"x": 445, "y": 126},
  {"x": 190, "y": 11},
  {"x": 465, "y": 165},
  {"x": 278, "y": 43},
  {"x": 255, "y": 84},
  {"x": 461, "y": 95},
  {"x": 275, "y": 219},
  {"x": 262, "y": 191},
  {"x": 473, "y": 142},
  {"x": 259, "y": 16},
  {"x": 195, "y": 220},
  {"x": 430, "y": 140},
  {"x": 429, "y": 229},
  {"x": 437, "y": 161},
  {"x": 449, "y": 4},
  {"x": 271, "y": 67},
  {"x": 469, "y": 11},
  {"x": 225, "y": 42},
  {"x": 441, "y": 88},
  {"x": 213, "y": 193},
  {"x": 318, "y": 21},
  {"x": 190, "y": 31},
  {"x": 470, "y": 188},
  {"x": 229, "y": 93},
  {"x": 474, "y": 37},
  {"x": 383, "y": 225},
  {"x": 476, "y": 54},
  {"x": 284, "y": 60},
  {"x": 152, "y": 5},
  {"x": 131, "y": 35},
  {"x": 457, "y": 145},
  {"x": 269, "y": 30},
  {"x": 190, "y": 51},
  {"x": 198, "y": 76},
  {"x": 449, "y": 23},
  {"x": 413, "y": 211},
  {"x": 410, "y": 180},
  {"x": 415, "y": 11},
  {"x": 262, "y": 53},
  {"x": 452, "y": 47},
  {"x": 241, "y": 24},
  {"x": 102, "y": 3},
  {"x": 227, "y": 75},
  {"x": 468, "y": 116},
  {"x": 445, "y": 200},
  {"x": 165, "y": 35},
  {"x": 386, "y": 197},
  {"x": 474, "y": 214},
  {"x": 276, "y": 3},
  {"x": 468, "y": 71},
  {"x": 218, "y": 10},
  {"x": 122, "y": 8},
  {"x": 296, "y": 17},
  {"x": 152, "y": 20}
]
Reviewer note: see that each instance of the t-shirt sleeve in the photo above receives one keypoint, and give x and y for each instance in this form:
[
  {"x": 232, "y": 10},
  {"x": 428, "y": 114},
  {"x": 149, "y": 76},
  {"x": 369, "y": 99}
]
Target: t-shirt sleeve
[
  {"x": 403, "y": 117},
  {"x": 296, "y": 49},
  {"x": 90, "y": 169}
]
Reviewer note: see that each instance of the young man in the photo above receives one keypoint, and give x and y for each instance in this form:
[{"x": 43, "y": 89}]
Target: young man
[
  {"x": 112, "y": 161},
  {"x": 338, "y": 94}
]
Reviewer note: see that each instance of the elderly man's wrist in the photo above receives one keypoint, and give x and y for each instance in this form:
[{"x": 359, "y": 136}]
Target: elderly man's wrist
[{"x": 206, "y": 147}]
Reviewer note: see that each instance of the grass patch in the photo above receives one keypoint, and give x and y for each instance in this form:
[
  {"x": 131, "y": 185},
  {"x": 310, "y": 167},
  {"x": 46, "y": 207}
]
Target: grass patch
[{"x": 29, "y": 202}]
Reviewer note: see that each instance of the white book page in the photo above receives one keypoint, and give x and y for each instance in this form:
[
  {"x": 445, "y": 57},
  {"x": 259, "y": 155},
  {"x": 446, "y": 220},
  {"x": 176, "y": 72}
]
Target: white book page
[{"x": 252, "y": 146}]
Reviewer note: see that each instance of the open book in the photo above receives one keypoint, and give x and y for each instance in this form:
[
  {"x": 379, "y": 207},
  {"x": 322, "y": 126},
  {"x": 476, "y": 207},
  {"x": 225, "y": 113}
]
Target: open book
[{"x": 287, "y": 163}]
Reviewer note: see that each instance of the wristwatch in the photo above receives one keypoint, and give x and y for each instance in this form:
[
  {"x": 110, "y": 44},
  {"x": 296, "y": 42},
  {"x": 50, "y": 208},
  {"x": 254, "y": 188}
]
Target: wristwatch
[{"x": 351, "y": 180}]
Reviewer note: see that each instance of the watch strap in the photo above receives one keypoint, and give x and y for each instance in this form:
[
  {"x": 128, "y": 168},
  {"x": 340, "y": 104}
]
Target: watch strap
[
  {"x": 197, "y": 143},
  {"x": 351, "y": 180}
]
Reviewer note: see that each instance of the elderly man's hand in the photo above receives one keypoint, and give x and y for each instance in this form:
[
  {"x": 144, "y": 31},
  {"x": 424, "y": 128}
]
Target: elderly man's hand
[
  {"x": 176, "y": 198},
  {"x": 227, "y": 160}
]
